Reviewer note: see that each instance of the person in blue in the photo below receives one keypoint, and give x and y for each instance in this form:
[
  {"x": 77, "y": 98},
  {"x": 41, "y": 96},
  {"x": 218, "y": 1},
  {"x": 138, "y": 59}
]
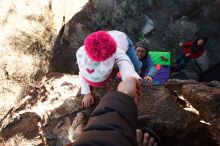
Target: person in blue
[
  {"x": 133, "y": 56},
  {"x": 148, "y": 70}
]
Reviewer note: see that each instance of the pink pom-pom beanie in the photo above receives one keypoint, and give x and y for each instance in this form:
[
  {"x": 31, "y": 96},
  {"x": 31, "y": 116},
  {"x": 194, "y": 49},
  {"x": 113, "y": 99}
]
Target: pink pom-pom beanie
[
  {"x": 96, "y": 58},
  {"x": 100, "y": 46}
]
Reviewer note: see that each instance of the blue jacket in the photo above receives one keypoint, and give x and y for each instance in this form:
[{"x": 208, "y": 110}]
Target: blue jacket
[{"x": 148, "y": 68}]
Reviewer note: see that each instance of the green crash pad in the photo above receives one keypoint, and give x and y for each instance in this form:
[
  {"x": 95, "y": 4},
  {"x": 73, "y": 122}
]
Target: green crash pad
[{"x": 162, "y": 58}]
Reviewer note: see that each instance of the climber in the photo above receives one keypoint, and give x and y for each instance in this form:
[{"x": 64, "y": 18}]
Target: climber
[
  {"x": 96, "y": 59},
  {"x": 191, "y": 50},
  {"x": 148, "y": 70}
]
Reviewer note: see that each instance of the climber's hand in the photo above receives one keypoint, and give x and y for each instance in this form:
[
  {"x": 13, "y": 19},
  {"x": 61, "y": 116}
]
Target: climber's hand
[{"x": 131, "y": 87}]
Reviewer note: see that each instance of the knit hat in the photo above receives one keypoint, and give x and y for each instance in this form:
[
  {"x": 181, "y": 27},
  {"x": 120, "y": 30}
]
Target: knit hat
[
  {"x": 143, "y": 44},
  {"x": 100, "y": 46},
  {"x": 96, "y": 58}
]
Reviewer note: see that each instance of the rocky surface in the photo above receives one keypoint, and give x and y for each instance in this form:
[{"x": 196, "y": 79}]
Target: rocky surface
[
  {"x": 181, "y": 112},
  {"x": 28, "y": 31},
  {"x": 206, "y": 104},
  {"x": 51, "y": 103}
]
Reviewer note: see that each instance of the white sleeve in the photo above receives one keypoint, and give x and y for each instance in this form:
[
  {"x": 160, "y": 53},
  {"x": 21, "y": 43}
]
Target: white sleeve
[
  {"x": 85, "y": 89},
  {"x": 125, "y": 65}
]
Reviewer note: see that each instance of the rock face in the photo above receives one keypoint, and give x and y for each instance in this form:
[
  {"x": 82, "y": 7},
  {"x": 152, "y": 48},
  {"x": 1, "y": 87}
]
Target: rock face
[
  {"x": 206, "y": 104},
  {"x": 51, "y": 103},
  {"x": 25, "y": 39},
  {"x": 28, "y": 31},
  {"x": 181, "y": 112}
]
